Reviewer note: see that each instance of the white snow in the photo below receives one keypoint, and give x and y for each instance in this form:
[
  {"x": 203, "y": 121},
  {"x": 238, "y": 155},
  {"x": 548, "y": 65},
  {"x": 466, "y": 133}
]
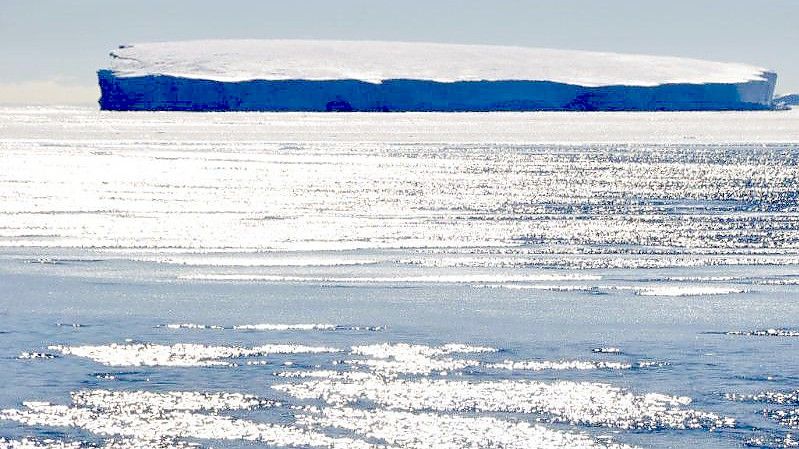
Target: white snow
[{"x": 374, "y": 62}]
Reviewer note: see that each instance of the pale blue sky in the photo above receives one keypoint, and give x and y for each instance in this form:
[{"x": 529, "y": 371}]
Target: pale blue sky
[{"x": 52, "y": 48}]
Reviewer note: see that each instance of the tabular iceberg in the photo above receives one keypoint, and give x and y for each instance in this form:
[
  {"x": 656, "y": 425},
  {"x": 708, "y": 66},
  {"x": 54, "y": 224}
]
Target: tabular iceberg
[
  {"x": 787, "y": 101},
  {"x": 301, "y": 75}
]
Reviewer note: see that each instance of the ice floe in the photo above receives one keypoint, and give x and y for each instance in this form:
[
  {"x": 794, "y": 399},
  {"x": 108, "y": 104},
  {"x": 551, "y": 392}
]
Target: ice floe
[
  {"x": 112, "y": 443},
  {"x": 151, "y": 443},
  {"x": 406, "y": 358},
  {"x": 179, "y": 355},
  {"x": 767, "y": 333},
  {"x": 135, "y": 419},
  {"x": 552, "y": 288},
  {"x": 541, "y": 365},
  {"x": 35, "y": 355},
  {"x": 133, "y": 401},
  {"x": 191, "y": 326},
  {"x": 161, "y": 420},
  {"x": 782, "y": 281},
  {"x": 784, "y": 441},
  {"x": 274, "y": 327},
  {"x": 788, "y": 417},
  {"x": 617, "y": 259},
  {"x": 410, "y": 402},
  {"x": 582, "y": 403},
  {"x": 606, "y": 350},
  {"x": 267, "y": 260},
  {"x": 772, "y": 397},
  {"x": 688, "y": 290},
  {"x": 414, "y": 430},
  {"x": 327, "y": 374},
  {"x": 444, "y": 279},
  {"x": 286, "y": 327},
  {"x": 30, "y": 443}
]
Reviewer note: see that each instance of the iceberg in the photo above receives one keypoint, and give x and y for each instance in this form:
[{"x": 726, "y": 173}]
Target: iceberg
[
  {"x": 786, "y": 101},
  {"x": 307, "y": 75}
]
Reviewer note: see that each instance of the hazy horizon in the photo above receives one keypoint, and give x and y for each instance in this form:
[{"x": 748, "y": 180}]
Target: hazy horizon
[{"x": 50, "y": 50}]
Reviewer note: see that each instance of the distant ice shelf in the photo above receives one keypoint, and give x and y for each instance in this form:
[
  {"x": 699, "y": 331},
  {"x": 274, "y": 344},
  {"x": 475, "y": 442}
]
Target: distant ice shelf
[{"x": 300, "y": 75}]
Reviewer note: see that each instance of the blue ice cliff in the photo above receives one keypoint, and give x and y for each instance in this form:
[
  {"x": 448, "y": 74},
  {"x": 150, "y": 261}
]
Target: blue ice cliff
[
  {"x": 786, "y": 101},
  {"x": 296, "y": 75}
]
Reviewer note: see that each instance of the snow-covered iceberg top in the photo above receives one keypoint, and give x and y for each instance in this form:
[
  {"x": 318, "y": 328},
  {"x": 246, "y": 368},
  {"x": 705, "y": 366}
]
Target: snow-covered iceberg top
[{"x": 374, "y": 62}]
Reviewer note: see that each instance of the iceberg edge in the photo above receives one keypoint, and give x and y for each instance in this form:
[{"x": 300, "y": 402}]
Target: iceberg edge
[{"x": 372, "y": 76}]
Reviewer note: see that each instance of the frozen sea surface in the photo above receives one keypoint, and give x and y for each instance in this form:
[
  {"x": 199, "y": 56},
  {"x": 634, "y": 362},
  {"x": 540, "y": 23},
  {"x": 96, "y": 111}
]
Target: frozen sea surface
[{"x": 398, "y": 280}]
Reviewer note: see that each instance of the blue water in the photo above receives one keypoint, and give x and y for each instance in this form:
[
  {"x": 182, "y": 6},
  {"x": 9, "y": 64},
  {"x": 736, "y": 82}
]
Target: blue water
[{"x": 598, "y": 295}]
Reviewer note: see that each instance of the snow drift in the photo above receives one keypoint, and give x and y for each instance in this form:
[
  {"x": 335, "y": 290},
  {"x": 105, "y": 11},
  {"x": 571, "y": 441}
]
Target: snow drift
[{"x": 297, "y": 75}]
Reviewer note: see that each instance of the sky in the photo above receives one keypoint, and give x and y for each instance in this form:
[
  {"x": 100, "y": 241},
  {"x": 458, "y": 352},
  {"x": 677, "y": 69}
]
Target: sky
[{"x": 50, "y": 50}]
